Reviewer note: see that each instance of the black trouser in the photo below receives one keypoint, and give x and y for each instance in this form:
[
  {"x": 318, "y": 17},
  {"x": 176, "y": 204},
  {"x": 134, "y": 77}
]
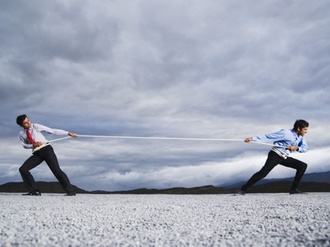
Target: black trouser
[
  {"x": 273, "y": 160},
  {"x": 45, "y": 154}
]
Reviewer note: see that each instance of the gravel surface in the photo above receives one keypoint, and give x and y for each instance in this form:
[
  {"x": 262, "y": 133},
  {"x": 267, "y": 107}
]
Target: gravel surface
[{"x": 165, "y": 220}]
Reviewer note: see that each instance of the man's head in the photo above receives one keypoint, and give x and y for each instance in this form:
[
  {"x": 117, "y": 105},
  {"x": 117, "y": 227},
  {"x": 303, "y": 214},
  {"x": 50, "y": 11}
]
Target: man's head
[
  {"x": 23, "y": 121},
  {"x": 301, "y": 126}
]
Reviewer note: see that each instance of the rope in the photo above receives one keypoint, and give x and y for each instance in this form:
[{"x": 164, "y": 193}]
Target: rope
[
  {"x": 47, "y": 143},
  {"x": 164, "y": 138},
  {"x": 60, "y": 139},
  {"x": 176, "y": 138},
  {"x": 159, "y": 138}
]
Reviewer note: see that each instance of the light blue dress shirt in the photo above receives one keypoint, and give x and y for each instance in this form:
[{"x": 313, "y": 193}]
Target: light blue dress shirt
[{"x": 285, "y": 138}]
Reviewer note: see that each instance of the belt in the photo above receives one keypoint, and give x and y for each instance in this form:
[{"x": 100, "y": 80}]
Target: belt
[
  {"x": 40, "y": 147},
  {"x": 279, "y": 153}
]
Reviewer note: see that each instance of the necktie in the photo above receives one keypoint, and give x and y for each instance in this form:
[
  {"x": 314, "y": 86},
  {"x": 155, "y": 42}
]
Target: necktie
[{"x": 29, "y": 136}]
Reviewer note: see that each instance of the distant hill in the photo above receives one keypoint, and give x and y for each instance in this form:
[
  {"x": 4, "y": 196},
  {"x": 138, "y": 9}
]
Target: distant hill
[
  {"x": 207, "y": 189},
  {"x": 318, "y": 177},
  {"x": 284, "y": 187},
  {"x": 272, "y": 187},
  {"x": 45, "y": 187},
  {"x": 312, "y": 182}
]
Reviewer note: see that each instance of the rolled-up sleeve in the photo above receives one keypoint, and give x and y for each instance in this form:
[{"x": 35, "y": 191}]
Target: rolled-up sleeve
[
  {"x": 24, "y": 142},
  {"x": 303, "y": 148}
]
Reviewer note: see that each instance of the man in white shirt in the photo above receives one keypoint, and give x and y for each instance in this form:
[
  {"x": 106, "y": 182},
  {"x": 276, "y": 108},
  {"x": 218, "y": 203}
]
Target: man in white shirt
[{"x": 32, "y": 138}]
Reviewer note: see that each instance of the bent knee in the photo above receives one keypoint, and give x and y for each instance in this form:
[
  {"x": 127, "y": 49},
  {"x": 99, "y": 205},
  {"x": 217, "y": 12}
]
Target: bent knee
[{"x": 23, "y": 170}]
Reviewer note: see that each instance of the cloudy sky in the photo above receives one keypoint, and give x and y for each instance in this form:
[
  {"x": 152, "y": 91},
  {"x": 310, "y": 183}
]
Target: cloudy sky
[{"x": 180, "y": 68}]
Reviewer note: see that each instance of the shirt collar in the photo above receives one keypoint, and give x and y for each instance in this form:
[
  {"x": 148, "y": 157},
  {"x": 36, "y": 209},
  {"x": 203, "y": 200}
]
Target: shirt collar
[{"x": 294, "y": 133}]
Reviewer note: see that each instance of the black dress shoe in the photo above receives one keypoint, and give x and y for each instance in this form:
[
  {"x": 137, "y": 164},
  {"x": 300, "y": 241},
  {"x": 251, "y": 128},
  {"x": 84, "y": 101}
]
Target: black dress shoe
[
  {"x": 70, "y": 194},
  {"x": 241, "y": 192},
  {"x": 296, "y": 191},
  {"x": 33, "y": 193}
]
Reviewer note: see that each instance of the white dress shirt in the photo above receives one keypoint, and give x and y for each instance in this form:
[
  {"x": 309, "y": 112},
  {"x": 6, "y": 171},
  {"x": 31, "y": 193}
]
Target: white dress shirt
[{"x": 37, "y": 136}]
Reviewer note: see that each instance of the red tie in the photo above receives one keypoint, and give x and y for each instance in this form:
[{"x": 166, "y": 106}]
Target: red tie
[{"x": 29, "y": 136}]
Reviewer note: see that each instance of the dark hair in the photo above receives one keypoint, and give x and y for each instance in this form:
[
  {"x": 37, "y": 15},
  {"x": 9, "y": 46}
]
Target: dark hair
[
  {"x": 300, "y": 124},
  {"x": 20, "y": 119}
]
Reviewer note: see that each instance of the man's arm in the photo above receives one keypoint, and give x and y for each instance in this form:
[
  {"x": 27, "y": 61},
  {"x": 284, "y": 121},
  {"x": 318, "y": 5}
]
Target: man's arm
[
  {"x": 272, "y": 137},
  {"x": 43, "y": 128}
]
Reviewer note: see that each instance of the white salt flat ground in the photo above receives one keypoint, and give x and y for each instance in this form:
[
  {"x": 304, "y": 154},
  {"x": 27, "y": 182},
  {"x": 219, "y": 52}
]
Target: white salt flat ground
[{"x": 165, "y": 220}]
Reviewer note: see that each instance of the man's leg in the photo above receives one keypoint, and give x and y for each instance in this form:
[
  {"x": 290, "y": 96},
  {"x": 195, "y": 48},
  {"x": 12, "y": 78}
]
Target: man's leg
[
  {"x": 52, "y": 162},
  {"x": 299, "y": 166},
  {"x": 24, "y": 170},
  {"x": 272, "y": 160}
]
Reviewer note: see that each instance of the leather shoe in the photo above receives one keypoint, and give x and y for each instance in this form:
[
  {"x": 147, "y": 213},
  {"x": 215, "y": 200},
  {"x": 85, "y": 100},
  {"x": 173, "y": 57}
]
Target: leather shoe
[
  {"x": 296, "y": 191},
  {"x": 241, "y": 192},
  {"x": 70, "y": 194},
  {"x": 33, "y": 193}
]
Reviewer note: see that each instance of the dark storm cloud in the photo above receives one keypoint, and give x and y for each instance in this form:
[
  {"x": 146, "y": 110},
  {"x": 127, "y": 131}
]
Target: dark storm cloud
[{"x": 223, "y": 69}]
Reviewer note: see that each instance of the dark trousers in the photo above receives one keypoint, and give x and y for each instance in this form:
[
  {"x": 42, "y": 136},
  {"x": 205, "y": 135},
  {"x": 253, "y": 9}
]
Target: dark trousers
[
  {"x": 273, "y": 160},
  {"x": 45, "y": 154}
]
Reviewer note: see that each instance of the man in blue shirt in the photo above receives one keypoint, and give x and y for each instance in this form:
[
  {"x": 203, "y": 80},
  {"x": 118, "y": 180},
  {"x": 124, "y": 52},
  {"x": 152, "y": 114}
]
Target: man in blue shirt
[{"x": 285, "y": 142}]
